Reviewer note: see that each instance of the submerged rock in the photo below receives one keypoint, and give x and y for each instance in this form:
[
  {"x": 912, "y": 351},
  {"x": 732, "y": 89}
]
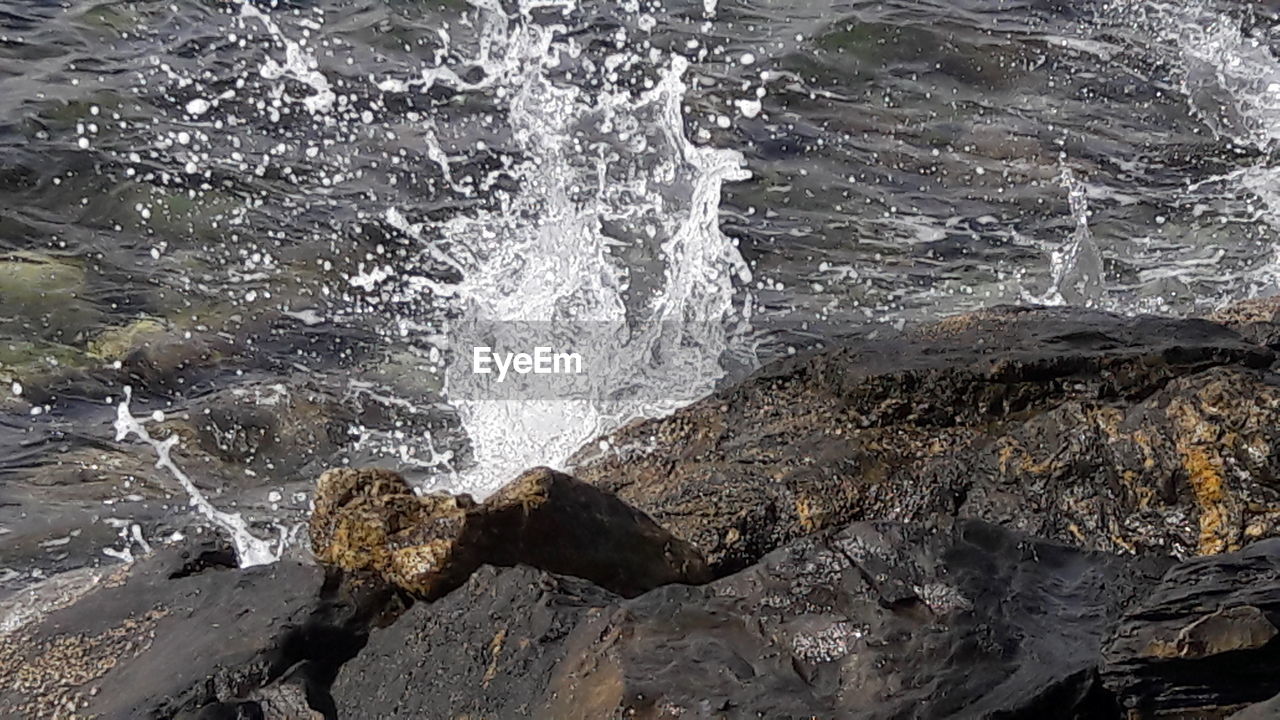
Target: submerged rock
[
  {"x": 39, "y": 368},
  {"x": 372, "y": 520},
  {"x": 44, "y": 296},
  {"x": 59, "y": 515},
  {"x": 1114, "y": 433},
  {"x": 171, "y": 362},
  {"x": 184, "y": 632},
  {"x": 253, "y": 448},
  {"x": 278, "y": 429},
  {"x": 117, "y": 342}
]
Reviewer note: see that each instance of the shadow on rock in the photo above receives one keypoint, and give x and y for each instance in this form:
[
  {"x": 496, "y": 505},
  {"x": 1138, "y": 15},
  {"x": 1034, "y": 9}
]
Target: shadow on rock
[{"x": 878, "y": 620}]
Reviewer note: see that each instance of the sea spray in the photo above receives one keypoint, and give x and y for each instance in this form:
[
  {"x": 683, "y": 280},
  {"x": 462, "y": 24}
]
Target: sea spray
[
  {"x": 1076, "y": 269},
  {"x": 298, "y": 63},
  {"x": 1229, "y": 75},
  {"x": 250, "y": 549},
  {"x": 551, "y": 253},
  {"x": 581, "y": 200}
]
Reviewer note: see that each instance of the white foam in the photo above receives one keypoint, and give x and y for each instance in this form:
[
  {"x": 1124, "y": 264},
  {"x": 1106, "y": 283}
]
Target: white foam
[
  {"x": 298, "y": 63},
  {"x": 1231, "y": 80},
  {"x": 250, "y": 549},
  {"x": 1076, "y": 269},
  {"x": 543, "y": 255}
]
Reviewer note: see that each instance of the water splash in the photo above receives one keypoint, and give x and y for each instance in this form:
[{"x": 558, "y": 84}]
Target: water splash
[
  {"x": 553, "y": 251},
  {"x": 1230, "y": 77},
  {"x": 250, "y": 549},
  {"x": 580, "y": 200},
  {"x": 1076, "y": 269}
]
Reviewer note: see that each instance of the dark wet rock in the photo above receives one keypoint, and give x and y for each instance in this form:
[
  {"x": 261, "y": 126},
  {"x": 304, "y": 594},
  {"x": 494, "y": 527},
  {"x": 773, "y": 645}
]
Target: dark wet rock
[
  {"x": 1115, "y": 433},
  {"x": 880, "y": 620},
  {"x": 1203, "y": 642},
  {"x": 1266, "y": 710},
  {"x": 877, "y": 621},
  {"x": 181, "y": 631},
  {"x": 486, "y": 650},
  {"x": 372, "y": 520},
  {"x": 301, "y": 694}
]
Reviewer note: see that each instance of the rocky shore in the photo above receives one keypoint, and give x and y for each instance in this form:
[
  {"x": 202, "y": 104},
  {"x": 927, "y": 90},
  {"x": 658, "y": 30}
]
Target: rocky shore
[{"x": 1019, "y": 513}]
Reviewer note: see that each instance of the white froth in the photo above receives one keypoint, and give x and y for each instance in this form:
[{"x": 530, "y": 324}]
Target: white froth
[
  {"x": 250, "y": 549},
  {"x": 543, "y": 256}
]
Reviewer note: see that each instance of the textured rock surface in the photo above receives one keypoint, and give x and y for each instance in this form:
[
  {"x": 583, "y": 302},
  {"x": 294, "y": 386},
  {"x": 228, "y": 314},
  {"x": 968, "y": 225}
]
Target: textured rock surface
[
  {"x": 183, "y": 633},
  {"x": 1133, "y": 440},
  {"x": 1121, "y": 434},
  {"x": 1203, "y": 642},
  {"x": 487, "y": 650},
  {"x": 876, "y": 621},
  {"x": 372, "y": 520},
  {"x": 1257, "y": 319}
]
